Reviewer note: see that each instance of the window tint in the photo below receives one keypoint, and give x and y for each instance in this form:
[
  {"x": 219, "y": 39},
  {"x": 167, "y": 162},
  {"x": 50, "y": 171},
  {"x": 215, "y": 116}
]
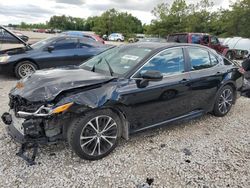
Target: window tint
[
  {"x": 214, "y": 40},
  {"x": 178, "y": 38},
  {"x": 196, "y": 39},
  {"x": 67, "y": 43},
  {"x": 89, "y": 37},
  {"x": 205, "y": 39},
  {"x": 167, "y": 62},
  {"x": 199, "y": 58},
  {"x": 6, "y": 34},
  {"x": 213, "y": 59},
  {"x": 87, "y": 43},
  {"x": 7, "y": 37}
]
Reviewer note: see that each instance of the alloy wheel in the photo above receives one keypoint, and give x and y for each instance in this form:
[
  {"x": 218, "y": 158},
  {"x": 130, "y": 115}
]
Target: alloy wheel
[
  {"x": 98, "y": 135},
  {"x": 26, "y": 69},
  {"x": 225, "y": 101}
]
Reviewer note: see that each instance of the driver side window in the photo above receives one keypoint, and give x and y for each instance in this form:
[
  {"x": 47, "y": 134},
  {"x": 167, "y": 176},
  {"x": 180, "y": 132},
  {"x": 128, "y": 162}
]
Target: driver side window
[
  {"x": 66, "y": 43},
  {"x": 168, "y": 62}
]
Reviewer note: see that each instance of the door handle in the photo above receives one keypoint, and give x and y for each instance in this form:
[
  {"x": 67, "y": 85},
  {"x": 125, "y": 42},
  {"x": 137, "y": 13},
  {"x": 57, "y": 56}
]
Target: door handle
[{"x": 183, "y": 81}]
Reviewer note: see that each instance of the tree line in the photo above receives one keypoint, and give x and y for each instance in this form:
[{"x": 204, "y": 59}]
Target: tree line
[
  {"x": 177, "y": 17},
  {"x": 200, "y": 17}
]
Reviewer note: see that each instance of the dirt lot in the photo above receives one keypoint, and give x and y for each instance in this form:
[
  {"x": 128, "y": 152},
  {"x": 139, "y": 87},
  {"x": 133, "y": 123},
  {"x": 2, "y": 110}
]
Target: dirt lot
[{"x": 206, "y": 152}]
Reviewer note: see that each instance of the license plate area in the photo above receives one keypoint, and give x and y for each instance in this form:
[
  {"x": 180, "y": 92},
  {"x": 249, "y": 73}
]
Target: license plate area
[{"x": 17, "y": 122}]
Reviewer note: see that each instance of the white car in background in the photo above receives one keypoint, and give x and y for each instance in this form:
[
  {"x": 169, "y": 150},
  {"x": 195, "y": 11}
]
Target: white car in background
[
  {"x": 116, "y": 37},
  {"x": 238, "y": 44}
]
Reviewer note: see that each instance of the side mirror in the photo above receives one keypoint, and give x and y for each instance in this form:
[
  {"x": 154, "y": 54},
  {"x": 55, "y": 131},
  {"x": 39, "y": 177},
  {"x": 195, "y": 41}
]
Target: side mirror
[
  {"x": 149, "y": 75},
  {"x": 50, "y": 48}
]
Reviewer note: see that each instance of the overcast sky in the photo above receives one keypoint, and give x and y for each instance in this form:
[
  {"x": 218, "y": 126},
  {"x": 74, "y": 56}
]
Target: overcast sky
[{"x": 37, "y": 11}]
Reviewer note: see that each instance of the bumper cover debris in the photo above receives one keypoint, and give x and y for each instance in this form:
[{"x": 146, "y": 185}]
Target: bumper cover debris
[{"x": 30, "y": 139}]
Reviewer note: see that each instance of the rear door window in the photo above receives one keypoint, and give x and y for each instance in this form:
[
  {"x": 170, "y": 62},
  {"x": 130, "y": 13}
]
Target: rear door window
[
  {"x": 201, "y": 59},
  {"x": 213, "y": 59}
]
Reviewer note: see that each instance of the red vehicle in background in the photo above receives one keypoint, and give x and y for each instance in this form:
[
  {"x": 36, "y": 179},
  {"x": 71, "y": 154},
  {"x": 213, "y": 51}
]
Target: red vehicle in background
[
  {"x": 84, "y": 34},
  {"x": 199, "y": 38},
  {"x": 97, "y": 38}
]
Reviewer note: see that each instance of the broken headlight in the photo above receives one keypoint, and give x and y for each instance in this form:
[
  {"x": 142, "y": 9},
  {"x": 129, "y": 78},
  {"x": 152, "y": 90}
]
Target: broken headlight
[{"x": 47, "y": 111}]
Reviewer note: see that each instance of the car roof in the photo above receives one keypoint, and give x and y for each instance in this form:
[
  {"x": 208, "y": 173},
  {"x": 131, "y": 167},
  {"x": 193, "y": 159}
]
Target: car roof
[
  {"x": 78, "y": 32},
  {"x": 71, "y": 36},
  {"x": 160, "y": 45},
  {"x": 186, "y": 33},
  {"x": 86, "y": 39}
]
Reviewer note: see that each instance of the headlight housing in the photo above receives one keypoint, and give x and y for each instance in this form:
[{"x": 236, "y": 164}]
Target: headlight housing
[
  {"x": 4, "y": 58},
  {"x": 47, "y": 111}
]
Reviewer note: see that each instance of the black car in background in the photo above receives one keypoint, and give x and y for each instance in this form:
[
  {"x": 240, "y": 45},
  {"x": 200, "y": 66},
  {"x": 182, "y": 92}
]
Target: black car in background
[
  {"x": 6, "y": 37},
  {"x": 52, "y": 52},
  {"x": 121, "y": 91}
]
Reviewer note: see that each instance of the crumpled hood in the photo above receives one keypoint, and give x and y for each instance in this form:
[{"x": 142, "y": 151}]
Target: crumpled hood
[{"x": 47, "y": 84}]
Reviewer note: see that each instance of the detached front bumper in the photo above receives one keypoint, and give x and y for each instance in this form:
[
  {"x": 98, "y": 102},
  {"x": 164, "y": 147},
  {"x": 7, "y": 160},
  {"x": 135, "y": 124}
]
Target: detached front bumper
[
  {"x": 18, "y": 132},
  {"x": 22, "y": 130}
]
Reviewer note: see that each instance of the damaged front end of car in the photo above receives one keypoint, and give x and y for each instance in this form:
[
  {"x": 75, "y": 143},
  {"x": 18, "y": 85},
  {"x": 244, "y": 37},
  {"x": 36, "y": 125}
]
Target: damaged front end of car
[
  {"x": 43, "y": 105},
  {"x": 31, "y": 124}
]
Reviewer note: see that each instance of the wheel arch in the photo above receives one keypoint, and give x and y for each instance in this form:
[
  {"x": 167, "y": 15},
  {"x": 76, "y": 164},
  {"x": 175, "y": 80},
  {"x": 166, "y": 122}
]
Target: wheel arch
[
  {"x": 124, "y": 121},
  {"x": 234, "y": 90},
  {"x": 25, "y": 59},
  {"x": 233, "y": 85},
  {"x": 115, "y": 109}
]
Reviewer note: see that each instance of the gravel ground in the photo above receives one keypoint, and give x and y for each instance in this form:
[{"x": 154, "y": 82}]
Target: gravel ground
[{"x": 206, "y": 152}]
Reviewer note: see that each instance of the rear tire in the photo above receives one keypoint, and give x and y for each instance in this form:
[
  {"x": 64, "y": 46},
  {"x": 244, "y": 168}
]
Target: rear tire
[
  {"x": 25, "y": 68},
  {"x": 224, "y": 101},
  {"x": 91, "y": 140}
]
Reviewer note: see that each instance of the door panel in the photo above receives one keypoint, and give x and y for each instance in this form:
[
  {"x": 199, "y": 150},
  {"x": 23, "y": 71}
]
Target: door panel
[
  {"x": 204, "y": 85},
  {"x": 57, "y": 58},
  {"x": 206, "y": 76},
  {"x": 158, "y": 102},
  {"x": 64, "y": 53}
]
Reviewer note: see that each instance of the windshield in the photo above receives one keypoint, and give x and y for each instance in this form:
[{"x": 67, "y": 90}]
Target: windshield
[
  {"x": 42, "y": 43},
  {"x": 120, "y": 59}
]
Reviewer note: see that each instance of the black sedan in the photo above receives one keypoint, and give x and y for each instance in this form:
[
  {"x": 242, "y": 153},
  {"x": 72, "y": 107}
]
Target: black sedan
[
  {"x": 6, "y": 37},
  {"x": 121, "y": 91},
  {"x": 51, "y": 52}
]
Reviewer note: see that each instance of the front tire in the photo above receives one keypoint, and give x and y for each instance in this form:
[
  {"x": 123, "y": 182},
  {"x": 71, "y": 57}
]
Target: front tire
[
  {"x": 95, "y": 135},
  {"x": 224, "y": 101},
  {"x": 25, "y": 68}
]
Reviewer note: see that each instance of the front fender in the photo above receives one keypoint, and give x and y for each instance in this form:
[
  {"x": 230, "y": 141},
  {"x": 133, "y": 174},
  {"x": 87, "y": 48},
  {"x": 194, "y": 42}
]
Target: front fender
[{"x": 90, "y": 99}]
